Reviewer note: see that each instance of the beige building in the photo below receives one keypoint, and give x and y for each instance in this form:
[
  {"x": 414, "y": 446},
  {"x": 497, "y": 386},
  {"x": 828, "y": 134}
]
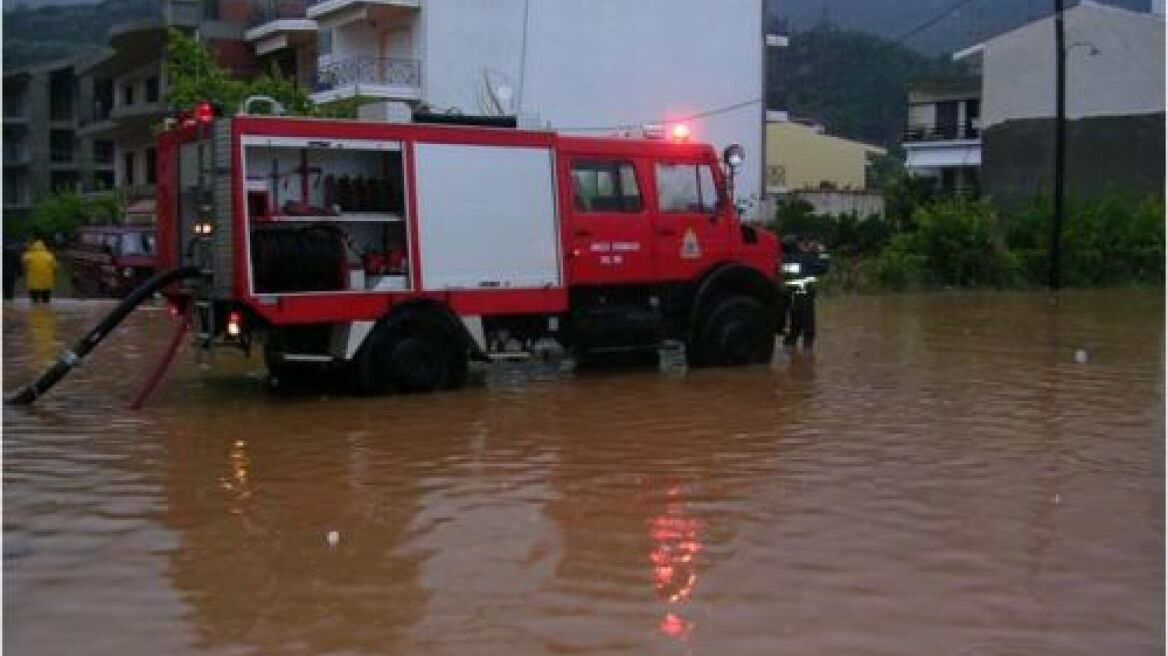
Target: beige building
[{"x": 802, "y": 157}]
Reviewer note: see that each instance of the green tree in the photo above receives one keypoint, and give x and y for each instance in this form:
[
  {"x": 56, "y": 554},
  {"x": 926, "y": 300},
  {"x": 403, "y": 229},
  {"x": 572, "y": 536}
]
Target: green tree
[
  {"x": 193, "y": 75},
  {"x": 61, "y": 214},
  {"x": 284, "y": 90}
]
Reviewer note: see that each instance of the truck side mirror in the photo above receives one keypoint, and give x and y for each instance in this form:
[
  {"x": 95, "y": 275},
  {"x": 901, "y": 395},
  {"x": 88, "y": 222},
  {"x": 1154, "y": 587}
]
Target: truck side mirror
[{"x": 734, "y": 156}]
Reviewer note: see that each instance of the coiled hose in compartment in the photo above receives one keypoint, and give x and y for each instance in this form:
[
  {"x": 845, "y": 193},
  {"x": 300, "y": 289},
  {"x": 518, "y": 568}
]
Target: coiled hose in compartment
[{"x": 310, "y": 259}]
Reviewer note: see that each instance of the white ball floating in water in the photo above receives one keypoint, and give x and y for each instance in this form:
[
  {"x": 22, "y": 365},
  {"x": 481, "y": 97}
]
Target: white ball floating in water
[
  {"x": 333, "y": 538},
  {"x": 1081, "y": 356}
]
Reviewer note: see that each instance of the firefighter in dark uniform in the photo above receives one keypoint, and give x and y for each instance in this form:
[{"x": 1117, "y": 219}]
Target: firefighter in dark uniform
[{"x": 803, "y": 262}]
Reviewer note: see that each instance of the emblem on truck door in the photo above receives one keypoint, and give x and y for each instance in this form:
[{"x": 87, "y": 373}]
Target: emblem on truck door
[{"x": 690, "y": 248}]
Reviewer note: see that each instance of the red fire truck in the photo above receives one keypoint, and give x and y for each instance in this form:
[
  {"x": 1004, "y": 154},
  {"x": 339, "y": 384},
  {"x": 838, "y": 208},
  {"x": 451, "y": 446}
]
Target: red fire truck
[{"x": 396, "y": 252}]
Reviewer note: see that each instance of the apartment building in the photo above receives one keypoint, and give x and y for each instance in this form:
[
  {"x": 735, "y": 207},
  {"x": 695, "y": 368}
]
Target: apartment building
[
  {"x": 1114, "y": 105},
  {"x": 128, "y": 82},
  {"x": 942, "y": 139},
  {"x": 40, "y": 134},
  {"x": 283, "y": 37}
]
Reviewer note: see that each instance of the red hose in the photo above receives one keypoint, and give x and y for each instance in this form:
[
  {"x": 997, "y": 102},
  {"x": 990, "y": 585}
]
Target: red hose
[{"x": 180, "y": 331}]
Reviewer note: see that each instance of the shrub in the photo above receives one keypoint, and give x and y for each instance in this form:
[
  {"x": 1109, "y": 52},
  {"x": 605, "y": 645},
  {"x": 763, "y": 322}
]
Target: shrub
[
  {"x": 956, "y": 238},
  {"x": 900, "y": 266},
  {"x": 1110, "y": 239},
  {"x": 58, "y": 216},
  {"x": 842, "y": 235}
]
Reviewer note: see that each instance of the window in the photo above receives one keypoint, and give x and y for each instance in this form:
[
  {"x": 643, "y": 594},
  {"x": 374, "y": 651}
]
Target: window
[
  {"x": 686, "y": 188},
  {"x": 128, "y": 168},
  {"x": 103, "y": 151},
  {"x": 61, "y": 146},
  {"x": 152, "y": 89},
  {"x": 127, "y": 94},
  {"x": 151, "y": 164},
  {"x": 137, "y": 243},
  {"x": 606, "y": 186},
  {"x": 103, "y": 180},
  {"x": 324, "y": 42}
]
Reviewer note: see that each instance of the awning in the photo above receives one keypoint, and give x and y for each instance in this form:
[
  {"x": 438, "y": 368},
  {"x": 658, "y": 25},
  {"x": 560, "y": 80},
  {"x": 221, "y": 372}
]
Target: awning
[{"x": 943, "y": 157}]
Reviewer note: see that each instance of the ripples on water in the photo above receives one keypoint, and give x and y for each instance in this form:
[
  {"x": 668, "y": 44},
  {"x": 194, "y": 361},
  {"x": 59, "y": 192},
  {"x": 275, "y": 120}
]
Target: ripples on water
[{"x": 941, "y": 478}]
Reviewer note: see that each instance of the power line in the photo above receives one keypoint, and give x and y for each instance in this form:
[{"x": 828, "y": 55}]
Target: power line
[
  {"x": 680, "y": 119},
  {"x": 934, "y": 20}
]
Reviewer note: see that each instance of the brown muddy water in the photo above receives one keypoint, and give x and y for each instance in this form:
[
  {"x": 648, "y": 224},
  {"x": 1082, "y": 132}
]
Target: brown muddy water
[{"x": 942, "y": 477}]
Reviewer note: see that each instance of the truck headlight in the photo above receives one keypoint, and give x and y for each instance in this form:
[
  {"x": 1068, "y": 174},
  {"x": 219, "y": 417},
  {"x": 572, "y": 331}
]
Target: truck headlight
[
  {"x": 793, "y": 268},
  {"x": 127, "y": 272}
]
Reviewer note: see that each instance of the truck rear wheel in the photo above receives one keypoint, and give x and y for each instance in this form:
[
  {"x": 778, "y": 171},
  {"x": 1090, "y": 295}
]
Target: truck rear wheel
[
  {"x": 417, "y": 357},
  {"x": 736, "y": 331}
]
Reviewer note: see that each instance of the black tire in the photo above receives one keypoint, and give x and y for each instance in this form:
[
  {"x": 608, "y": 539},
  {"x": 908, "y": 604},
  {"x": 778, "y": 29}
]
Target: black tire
[
  {"x": 736, "y": 331},
  {"x": 418, "y": 356}
]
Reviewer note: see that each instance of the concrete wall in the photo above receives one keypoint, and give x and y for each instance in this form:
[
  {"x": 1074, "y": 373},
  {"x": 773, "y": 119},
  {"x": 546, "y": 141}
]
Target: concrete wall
[
  {"x": 1115, "y": 66},
  {"x": 806, "y": 159},
  {"x": 835, "y": 203},
  {"x": 1104, "y": 154}
]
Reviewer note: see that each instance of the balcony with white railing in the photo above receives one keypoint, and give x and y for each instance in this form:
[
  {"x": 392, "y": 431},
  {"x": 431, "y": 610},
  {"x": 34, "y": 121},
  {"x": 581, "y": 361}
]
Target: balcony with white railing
[
  {"x": 369, "y": 77},
  {"x": 930, "y": 147},
  {"x": 933, "y": 133}
]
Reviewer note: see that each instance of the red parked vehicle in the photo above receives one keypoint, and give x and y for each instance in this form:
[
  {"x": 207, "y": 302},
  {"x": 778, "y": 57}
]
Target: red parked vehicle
[
  {"x": 111, "y": 260},
  {"x": 396, "y": 252}
]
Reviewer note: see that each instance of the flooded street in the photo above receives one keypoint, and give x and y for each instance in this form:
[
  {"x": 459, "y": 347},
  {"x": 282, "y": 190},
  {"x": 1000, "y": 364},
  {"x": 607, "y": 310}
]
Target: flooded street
[{"x": 942, "y": 477}]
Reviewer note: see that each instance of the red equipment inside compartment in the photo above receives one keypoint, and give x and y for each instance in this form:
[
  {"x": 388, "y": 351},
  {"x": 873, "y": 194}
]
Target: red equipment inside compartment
[{"x": 379, "y": 263}]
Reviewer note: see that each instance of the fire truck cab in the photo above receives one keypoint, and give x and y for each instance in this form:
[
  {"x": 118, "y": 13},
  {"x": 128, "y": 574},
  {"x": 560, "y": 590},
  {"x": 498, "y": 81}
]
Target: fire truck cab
[{"x": 398, "y": 251}]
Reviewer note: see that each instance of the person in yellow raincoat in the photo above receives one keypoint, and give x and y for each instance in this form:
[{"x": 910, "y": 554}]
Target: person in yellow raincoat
[{"x": 40, "y": 270}]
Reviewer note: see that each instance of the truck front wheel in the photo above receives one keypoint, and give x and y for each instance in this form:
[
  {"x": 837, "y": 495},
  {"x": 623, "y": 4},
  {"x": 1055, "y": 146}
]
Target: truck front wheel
[{"x": 736, "y": 331}]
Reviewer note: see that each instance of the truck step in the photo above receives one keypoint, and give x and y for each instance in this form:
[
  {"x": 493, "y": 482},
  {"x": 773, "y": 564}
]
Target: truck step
[
  {"x": 509, "y": 356},
  {"x": 307, "y": 357}
]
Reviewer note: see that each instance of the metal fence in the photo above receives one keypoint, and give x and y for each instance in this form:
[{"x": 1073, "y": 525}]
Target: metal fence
[{"x": 940, "y": 132}]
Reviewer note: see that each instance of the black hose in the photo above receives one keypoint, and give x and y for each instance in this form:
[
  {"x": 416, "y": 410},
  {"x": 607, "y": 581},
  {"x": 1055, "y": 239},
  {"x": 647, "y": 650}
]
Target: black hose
[{"x": 71, "y": 358}]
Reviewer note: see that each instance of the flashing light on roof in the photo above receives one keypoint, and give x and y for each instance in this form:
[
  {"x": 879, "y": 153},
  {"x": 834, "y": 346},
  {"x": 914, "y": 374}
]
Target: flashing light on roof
[
  {"x": 679, "y": 132},
  {"x": 204, "y": 112},
  {"x": 653, "y": 131}
]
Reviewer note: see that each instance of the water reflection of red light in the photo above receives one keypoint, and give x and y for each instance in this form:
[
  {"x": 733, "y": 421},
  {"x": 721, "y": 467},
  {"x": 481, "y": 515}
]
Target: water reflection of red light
[
  {"x": 676, "y": 543},
  {"x": 676, "y": 626}
]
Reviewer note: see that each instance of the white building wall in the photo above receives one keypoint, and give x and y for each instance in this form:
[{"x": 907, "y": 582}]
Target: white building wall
[
  {"x": 352, "y": 41},
  {"x": 605, "y": 64},
  {"x": 463, "y": 40},
  {"x": 1115, "y": 67}
]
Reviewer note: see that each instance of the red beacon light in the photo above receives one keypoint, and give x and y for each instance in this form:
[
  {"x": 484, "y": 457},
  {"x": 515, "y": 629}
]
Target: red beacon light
[
  {"x": 679, "y": 132},
  {"x": 204, "y": 112}
]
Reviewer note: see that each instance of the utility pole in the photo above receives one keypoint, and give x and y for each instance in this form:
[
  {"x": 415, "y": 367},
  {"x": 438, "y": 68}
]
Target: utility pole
[{"x": 1060, "y": 146}]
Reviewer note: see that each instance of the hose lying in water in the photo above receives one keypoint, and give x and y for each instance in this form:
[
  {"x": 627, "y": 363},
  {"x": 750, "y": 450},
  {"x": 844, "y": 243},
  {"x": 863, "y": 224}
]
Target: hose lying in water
[
  {"x": 71, "y": 358},
  {"x": 180, "y": 331}
]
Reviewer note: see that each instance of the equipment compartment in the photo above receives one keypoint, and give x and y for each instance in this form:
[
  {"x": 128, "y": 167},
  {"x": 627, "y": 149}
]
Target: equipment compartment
[{"x": 341, "y": 202}]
